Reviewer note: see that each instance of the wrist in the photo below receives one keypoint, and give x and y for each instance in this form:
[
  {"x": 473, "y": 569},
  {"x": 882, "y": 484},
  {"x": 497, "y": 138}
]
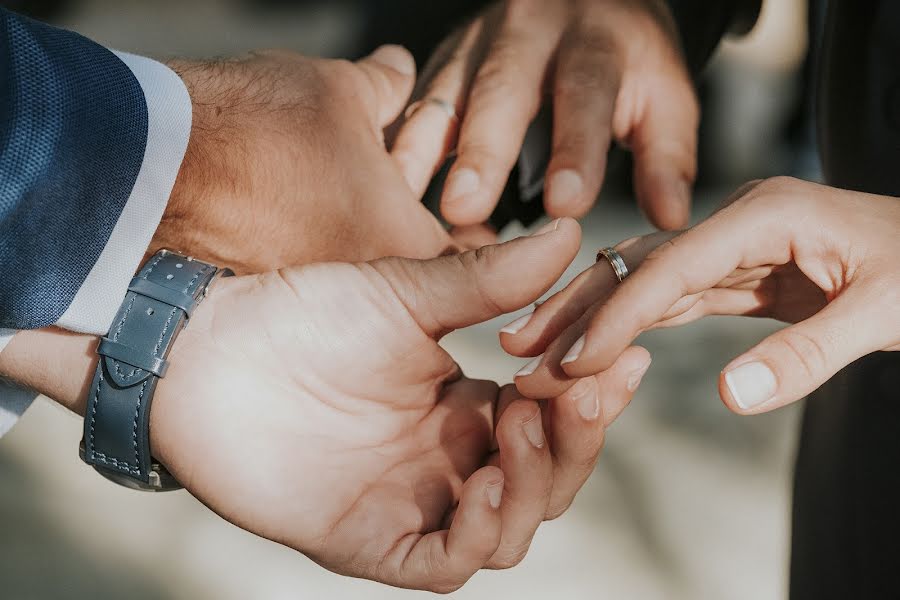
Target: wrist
[
  {"x": 198, "y": 217},
  {"x": 53, "y": 362}
]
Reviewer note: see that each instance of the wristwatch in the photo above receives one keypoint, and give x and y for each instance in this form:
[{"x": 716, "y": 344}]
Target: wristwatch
[{"x": 157, "y": 306}]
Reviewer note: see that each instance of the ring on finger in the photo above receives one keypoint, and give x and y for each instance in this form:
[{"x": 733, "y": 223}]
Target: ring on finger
[
  {"x": 445, "y": 106},
  {"x": 616, "y": 261}
]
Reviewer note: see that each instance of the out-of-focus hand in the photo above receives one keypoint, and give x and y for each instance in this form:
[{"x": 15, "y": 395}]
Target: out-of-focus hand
[
  {"x": 286, "y": 164},
  {"x": 329, "y": 419},
  {"x": 822, "y": 258},
  {"x": 613, "y": 70}
]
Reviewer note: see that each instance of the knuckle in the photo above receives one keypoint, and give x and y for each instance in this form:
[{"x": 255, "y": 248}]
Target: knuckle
[
  {"x": 773, "y": 187},
  {"x": 510, "y": 557},
  {"x": 502, "y": 77},
  {"x": 517, "y": 10},
  {"x": 806, "y": 350},
  {"x": 557, "y": 509},
  {"x": 596, "y": 40},
  {"x": 476, "y": 261},
  {"x": 445, "y": 588}
]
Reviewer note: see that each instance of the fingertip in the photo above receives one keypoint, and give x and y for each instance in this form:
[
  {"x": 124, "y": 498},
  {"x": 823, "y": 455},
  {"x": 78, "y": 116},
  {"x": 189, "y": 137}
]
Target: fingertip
[
  {"x": 666, "y": 201},
  {"x": 565, "y": 194},
  {"x": 395, "y": 57},
  {"x": 464, "y": 200},
  {"x": 520, "y": 428}
]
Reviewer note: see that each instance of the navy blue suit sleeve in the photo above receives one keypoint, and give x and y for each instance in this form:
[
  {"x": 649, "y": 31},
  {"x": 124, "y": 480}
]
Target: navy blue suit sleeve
[{"x": 73, "y": 131}]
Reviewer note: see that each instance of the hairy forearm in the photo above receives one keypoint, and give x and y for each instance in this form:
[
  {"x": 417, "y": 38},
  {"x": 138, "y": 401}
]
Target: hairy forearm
[{"x": 56, "y": 363}]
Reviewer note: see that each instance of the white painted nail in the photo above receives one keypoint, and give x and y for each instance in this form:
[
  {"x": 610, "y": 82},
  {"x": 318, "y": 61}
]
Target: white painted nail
[
  {"x": 494, "y": 493},
  {"x": 517, "y": 325},
  {"x": 634, "y": 380},
  {"x": 574, "y": 352},
  {"x": 751, "y": 384},
  {"x": 531, "y": 367}
]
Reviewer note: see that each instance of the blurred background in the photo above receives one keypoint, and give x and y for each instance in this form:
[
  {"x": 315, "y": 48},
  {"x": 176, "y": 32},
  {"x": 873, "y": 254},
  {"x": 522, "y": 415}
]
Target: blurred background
[{"x": 688, "y": 501}]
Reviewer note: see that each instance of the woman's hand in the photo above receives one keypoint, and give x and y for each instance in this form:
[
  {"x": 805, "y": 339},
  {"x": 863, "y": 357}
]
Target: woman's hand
[
  {"x": 822, "y": 258},
  {"x": 329, "y": 419},
  {"x": 286, "y": 164},
  {"x": 613, "y": 70}
]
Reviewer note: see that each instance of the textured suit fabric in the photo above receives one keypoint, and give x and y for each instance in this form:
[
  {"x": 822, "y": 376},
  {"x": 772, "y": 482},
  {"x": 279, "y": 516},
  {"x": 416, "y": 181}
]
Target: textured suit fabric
[{"x": 73, "y": 130}]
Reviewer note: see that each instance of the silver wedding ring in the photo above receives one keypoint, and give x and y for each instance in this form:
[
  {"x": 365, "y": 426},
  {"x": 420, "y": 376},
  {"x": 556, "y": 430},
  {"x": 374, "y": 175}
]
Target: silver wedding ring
[
  {"x": 615, "y": 260},
  {"x": 445, "y": 106}
]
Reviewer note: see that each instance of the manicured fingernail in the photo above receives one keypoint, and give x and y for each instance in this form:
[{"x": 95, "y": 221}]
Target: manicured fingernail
[
  {"x": 634, "y": 380},
  {"x": 564, "y": 189},
  {"x": 531, "y": 367},
  {"x": 751, "y": 384},
  {"x": 587, "y": 402},
  {"x": 461, "y": 183},
  {"x": 494, "y": 493},
  {"x": 547, "y": 228},
  {"x": 517, "y": 325},
  {"x": 574, "y": 352},
  {"x": 534, "y": 430},
  {"x": 396, "y": 58}
]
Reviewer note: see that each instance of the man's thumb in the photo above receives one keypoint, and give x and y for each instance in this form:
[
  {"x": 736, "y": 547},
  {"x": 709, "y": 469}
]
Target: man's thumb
[
  {"x": 392, "y": 72},
  {"x": 451, "y": 292}
]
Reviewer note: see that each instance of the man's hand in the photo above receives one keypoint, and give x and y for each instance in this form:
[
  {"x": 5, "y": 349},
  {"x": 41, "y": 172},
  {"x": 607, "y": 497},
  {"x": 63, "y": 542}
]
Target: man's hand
[
  {"x": 286, "y": 164},
  {"x": 613, "y": 69},
  {"x": 314, "y": 406}
]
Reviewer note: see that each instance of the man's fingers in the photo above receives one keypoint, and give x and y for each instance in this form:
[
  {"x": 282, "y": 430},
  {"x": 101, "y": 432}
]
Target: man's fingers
[
  {"x": 528, "y": 468},
  {"x": 428, "y": 134},
  {"x": 793, "y": 362},
  {"x": 392, "y": 72},
  {"x": 504, "y": 98},
  {"x": 456, "y": 291},
  {"x": 587, "y": 79},
  {"x": 664, "y": 143},
  {"x": 443, "y": 561},
  {"x": 579, "y": 418}
]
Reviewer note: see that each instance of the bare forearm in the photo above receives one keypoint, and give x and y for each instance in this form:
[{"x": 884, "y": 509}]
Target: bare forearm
[{"x": 53, "y": 362}]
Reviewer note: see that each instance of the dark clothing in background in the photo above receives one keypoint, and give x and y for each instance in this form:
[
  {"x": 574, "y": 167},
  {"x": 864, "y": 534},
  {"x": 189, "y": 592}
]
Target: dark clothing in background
[
  {"x": 846, "y": 525},
  {"x": 846, "y": 514}
]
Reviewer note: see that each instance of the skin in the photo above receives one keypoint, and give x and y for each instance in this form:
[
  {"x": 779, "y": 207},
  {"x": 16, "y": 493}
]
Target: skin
[
  {"x": 329, "y": 419},
  {"x": 286, "y": 164},
  {"x": 613, "y": 71},
  {"x": 820, "y": 258}
]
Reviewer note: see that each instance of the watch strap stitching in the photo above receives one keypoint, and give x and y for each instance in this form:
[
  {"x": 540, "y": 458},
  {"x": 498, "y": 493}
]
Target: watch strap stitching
[{"x": 111, "y": 461}]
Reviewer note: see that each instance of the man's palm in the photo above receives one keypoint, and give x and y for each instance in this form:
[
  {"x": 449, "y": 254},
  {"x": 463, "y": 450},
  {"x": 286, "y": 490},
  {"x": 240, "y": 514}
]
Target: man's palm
[{"x": 358, "y": 431}]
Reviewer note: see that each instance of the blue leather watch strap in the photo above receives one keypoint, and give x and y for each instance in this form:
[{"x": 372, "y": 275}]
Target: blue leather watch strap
[{"x": 133, "y": 358}]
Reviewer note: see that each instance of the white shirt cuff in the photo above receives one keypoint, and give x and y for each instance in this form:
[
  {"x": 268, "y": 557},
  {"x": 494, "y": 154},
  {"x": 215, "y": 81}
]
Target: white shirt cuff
[
  {"x": 97, "y": 301},
  {"x": 168, "y": 129}
]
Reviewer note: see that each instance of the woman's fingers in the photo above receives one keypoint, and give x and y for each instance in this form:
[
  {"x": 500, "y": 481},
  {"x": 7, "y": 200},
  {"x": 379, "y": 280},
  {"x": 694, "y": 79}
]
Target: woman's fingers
[
  {"x": 505, "y": 96},
  {"x": 791, "y": 363},
  {"x": 531, "y": 334},
  {"x": 579, "y": 418},
  {"x": 524, "y": 454},
  {"x": 586, "y": 84},
  {"x": 744, "y": 234},
  {"x": 442, "y": 561}
]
